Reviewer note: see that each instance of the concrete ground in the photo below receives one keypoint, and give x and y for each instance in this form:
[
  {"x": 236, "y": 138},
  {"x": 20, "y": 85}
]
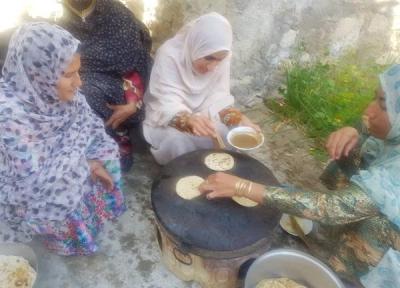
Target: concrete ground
[{"x": 129, "y": 255}]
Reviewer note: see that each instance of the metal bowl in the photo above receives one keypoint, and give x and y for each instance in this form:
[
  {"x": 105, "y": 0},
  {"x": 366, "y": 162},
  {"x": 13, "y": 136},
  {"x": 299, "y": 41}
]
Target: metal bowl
[
  {"x": 292, "y": 264},
  {"x": 20, "y": 250}
]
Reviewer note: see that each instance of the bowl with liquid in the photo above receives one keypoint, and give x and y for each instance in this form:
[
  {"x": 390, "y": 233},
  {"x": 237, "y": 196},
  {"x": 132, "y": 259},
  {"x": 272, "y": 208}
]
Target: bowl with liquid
[{"x": 245, "y": 138}]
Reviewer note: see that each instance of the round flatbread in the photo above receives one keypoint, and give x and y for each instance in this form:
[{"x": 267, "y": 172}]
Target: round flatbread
[
  {"x": 246, "y": 202},
  {"x": 219, "y": 161},
  {"x": 279, "y": 283},
  {"x": 188, "y": 187},
  {"x": 286, "y": 224},
  {"x": 16, "y": 272}
]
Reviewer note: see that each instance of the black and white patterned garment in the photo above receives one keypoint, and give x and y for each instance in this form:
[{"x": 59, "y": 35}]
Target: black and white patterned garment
[
  {"x": 45, "y": 144},
  {"x": 114, "y": 43}
]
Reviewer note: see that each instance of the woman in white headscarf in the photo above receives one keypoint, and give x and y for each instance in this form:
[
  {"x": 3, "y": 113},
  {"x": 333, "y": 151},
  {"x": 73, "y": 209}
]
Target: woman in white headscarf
[
  {"x": 189, "y": 100},
  {"x": 59, "y": 170}
]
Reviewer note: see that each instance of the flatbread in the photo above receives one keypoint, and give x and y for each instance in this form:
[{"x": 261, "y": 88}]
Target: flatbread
[
  {"x": 279, "y": 283},
  {"x": 246, "y": 202},
  {"x": 188, "y": 187},
  {"x": 305, "y": 224},
  {"x": 15, "y": 272},
  {"x": 219, "y": 161}
]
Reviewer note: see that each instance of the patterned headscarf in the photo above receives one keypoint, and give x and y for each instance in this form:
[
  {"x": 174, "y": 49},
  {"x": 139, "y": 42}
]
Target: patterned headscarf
[
  {"x": 113, "y": 40},
  {"x": 44, "y": 143},
  {"x": 381, "y": 181}
]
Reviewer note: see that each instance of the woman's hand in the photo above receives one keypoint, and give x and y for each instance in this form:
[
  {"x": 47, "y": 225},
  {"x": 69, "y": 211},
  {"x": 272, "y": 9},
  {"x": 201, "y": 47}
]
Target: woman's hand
[
  {"x": 341, "y": 142},
  {"x": 247, "y": 122},
  {"x": 99, "y": 173},
  {"x": 121, "y": 113},
  {"x": 201, "y": 125},
  {"x": 219, "y": 185}
]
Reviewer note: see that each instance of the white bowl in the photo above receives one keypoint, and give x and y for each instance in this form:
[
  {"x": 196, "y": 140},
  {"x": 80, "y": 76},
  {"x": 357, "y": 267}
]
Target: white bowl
[
  {"x": 295, "y": 265},
  {"x": 245, "y": 129}
]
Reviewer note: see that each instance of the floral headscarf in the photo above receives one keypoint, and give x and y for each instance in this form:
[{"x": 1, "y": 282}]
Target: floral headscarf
[
  {"x": 381, "y": 181},
  {"x": 44, "y": 143}
]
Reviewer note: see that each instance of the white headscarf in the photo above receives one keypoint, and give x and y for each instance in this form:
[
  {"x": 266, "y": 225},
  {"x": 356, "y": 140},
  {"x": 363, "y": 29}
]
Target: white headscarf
[{"x": 174, "y": 84}]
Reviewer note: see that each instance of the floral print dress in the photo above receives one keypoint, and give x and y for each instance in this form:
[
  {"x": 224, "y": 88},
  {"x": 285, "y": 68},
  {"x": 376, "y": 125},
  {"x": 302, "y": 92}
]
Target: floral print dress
[{"x": 45, "y": 146}]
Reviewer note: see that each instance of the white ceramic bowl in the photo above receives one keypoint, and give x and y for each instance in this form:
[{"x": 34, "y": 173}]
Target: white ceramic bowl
[
  {"x": 244, "y": 129},
  {"x": 295, "y": 265}
]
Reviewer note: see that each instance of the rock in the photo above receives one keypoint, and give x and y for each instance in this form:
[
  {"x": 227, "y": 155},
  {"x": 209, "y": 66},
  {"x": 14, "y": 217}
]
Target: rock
[
  {"x": 346, "y": 35},
  {"x": 288, "y": 39}
]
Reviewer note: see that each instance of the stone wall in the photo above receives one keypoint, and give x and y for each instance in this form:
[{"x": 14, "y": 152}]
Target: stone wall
[{"x": 268, "y": 32}]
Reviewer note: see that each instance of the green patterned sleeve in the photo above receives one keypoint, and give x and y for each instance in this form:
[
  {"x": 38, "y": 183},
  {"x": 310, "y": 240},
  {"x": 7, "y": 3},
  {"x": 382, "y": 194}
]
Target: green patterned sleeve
[{"x": 333, "y": 208}]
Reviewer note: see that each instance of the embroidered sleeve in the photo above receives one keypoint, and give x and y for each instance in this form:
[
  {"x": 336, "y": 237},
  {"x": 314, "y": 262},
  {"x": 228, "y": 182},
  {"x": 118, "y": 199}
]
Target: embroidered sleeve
[
  {"x": 337, "y": 207},
  {"x": 230, "y": 116},
  {"x": 180, "y": 122}
]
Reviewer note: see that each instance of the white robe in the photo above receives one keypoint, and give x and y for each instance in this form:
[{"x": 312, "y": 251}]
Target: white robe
[{"x": 176, "y": 87}]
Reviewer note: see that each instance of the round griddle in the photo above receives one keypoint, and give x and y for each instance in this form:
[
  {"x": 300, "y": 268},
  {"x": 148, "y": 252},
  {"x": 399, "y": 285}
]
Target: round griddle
[{"x": 213, "y": 228}]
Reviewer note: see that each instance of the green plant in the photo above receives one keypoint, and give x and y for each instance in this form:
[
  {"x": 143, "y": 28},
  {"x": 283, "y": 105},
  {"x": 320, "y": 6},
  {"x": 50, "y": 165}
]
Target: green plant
[{"x": 326, "y": 96}]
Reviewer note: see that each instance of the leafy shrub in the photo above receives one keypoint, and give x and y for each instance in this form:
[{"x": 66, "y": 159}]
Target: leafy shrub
[{"x": 326, "y": 96}]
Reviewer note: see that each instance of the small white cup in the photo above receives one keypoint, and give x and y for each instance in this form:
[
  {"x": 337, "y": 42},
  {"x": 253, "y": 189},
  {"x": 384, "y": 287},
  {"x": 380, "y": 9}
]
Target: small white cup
[{"x": 245, "y": 130}]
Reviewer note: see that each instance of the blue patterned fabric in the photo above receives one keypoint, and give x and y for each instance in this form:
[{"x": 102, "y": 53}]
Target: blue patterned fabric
[
  {"x": 382, "y": 180},
  {"x": 45, "y": 144},
  {"x": 386, "y": 273}
]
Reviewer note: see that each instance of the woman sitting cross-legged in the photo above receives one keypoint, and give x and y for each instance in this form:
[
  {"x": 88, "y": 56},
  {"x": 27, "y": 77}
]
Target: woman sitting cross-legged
[
  {"x": 189, "y": 98},
  {"x": 59, "y": 170},
  {"x": 367, "y": 212}
]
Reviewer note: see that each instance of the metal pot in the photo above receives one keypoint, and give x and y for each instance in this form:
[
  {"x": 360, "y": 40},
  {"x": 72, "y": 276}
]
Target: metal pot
[{"x": 292, "y": 264}]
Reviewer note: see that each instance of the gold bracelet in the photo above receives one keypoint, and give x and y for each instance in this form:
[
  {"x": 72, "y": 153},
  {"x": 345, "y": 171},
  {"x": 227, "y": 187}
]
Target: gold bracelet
[
  {"x": 249, "y": 189},
  {"x": 239, "y": 188},
  {"x": 244, "y": 188}
]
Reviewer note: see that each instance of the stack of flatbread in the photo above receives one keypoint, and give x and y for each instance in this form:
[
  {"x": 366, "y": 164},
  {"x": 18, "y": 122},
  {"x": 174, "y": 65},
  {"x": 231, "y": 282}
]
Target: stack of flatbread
[
  {"x": 279, "y": 283},
  {"x": 15, "y": 272}
]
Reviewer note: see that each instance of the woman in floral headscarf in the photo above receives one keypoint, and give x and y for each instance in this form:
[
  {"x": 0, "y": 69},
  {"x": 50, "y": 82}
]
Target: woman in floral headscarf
[
  {"x": 59, "y": 170},
  {"x": 367, "y": 212}
]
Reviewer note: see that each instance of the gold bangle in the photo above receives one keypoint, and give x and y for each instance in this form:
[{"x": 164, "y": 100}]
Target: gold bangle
[
  {"x": 244, "y": 188},
  {"x": 249, "y": 189},
  {"x": 239, "y": 188}
]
